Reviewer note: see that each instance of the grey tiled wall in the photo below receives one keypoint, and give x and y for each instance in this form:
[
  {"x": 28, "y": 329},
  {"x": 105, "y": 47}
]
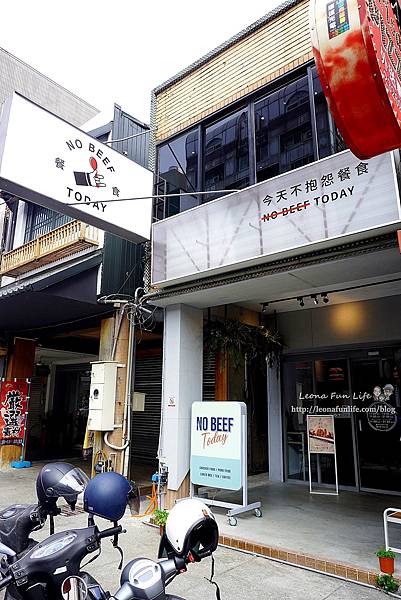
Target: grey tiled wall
[{"x": 16, "y": 75}]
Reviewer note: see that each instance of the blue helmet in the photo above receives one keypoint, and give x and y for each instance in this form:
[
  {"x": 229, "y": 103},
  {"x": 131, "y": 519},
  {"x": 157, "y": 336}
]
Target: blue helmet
[{"x": 106, "y": 495}]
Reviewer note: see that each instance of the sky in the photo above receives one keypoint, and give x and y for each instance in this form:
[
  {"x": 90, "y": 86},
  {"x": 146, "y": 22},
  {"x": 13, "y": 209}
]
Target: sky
[{"x": 109, "y": 51}]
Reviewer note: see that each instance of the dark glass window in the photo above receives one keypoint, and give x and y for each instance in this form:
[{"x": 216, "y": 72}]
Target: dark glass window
[
  {"x": 283, "y": 130},
  {"x": 329, "y": 138},
  {"x": 226, "y": 154},
  {"x": 178, "y": 167}
]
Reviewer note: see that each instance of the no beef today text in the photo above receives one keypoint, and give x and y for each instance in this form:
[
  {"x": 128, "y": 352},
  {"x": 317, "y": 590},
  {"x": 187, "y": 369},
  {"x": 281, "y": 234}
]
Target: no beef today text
[
  {"x": 216, "y": 430},
  {"x": 346, "y": 192},
  {"x": 98, "y": 154}
]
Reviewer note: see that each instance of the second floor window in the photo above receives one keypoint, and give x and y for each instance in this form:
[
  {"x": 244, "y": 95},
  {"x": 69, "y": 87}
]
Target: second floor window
[
  {"x": 42, "y": 220},
  {"x": 283, "y": 130},
  {"x": 226, "y": 154},
  {"x": 178, "y": 168},
  {"x": 291, "y": 127}
]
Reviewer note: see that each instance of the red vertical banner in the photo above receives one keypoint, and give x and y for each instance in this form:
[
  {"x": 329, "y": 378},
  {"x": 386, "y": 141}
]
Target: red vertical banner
[{"x": 13, "y": 412}]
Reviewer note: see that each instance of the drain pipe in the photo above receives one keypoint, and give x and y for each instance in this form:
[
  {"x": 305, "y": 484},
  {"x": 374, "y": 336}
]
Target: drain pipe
[{"x": 129, "y": 393}]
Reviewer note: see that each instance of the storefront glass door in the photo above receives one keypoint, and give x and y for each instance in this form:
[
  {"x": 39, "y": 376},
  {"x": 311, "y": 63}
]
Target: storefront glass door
[
  {"x": 332, "y": 385},
  {"x": 363, "y": 391},
  {"x": 376, "y": 395},
  {"x": 312, "y": 387}
]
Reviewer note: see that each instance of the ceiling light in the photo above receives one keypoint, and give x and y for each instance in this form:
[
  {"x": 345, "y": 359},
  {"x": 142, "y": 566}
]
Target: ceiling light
[
  {"x": 325, "y": 297},
  {"x": 264, "y": 307},
  {"x": 301, "y": 302},
  {"x": 315, "y": 299}
]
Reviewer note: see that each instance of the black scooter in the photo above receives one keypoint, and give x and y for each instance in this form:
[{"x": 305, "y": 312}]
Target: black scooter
[
  {"x": 40, "y": 572},
  {"x": 18, "y": 521},
  {"x": 51, "y": 570}
]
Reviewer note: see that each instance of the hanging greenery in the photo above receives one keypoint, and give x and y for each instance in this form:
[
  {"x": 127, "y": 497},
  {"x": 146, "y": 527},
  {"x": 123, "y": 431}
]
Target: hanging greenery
[{"x": 238, "y": 339}]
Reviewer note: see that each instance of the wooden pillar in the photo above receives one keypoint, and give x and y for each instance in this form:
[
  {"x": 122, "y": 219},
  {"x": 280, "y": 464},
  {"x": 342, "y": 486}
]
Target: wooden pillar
[
  {"x": 21, "y": 366},
  {"x": 221, "y": 376},
  {"x": 173, "y": 495},
  {"x": 114, "y": 336}
]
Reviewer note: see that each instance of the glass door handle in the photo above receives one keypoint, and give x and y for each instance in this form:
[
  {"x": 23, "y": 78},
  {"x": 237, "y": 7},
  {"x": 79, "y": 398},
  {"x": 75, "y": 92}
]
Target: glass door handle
[{"x": 360, "y": 424}]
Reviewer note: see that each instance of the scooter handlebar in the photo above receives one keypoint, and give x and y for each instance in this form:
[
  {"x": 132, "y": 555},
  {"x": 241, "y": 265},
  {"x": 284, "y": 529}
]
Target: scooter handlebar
[
  {"x": 172, "y": 567},
  {"x": 110, "y": 532}
]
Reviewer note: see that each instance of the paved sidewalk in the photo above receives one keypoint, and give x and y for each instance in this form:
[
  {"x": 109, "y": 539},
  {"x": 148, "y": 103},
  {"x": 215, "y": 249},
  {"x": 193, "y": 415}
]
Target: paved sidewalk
[{"x": 240, "y": 576}]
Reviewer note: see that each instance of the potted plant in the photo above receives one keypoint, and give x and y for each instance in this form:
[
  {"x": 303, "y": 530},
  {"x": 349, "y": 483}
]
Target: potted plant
[
  {"x": 238, "y": 339},
  {"x": 160, "y": 518},
  {"x": 386, "y": 561},
  {"x": 387, "y": 583}
]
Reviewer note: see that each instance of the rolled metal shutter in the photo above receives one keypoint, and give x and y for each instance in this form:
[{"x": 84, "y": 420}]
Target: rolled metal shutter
[{"x": 146, "y": 425}]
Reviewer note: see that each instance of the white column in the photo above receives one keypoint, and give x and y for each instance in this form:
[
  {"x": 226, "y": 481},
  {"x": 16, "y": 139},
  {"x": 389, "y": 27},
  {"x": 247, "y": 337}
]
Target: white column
[
  {"x": 182, "y": 385},
  {"x": 275, "y": 425}
]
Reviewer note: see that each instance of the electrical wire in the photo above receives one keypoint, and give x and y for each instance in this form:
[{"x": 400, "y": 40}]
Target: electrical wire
[
  {"x": 153, "y": 196},
  {"x": 66, "y": 322}
]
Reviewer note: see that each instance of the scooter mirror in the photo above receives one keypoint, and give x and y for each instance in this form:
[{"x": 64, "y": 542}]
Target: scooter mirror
[{"x": 74, "y": 588}]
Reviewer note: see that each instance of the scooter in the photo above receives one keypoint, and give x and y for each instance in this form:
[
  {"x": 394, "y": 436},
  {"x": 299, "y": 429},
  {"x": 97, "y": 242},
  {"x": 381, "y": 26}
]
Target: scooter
[
  {"x": 51, "y": 571},
  {"x": 41, "y": 571},
  {"x": 18, "y": 521}
]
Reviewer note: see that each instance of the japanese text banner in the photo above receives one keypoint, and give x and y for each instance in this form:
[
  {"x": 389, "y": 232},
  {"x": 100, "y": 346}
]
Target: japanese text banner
[{"x": 13, "y": 412}]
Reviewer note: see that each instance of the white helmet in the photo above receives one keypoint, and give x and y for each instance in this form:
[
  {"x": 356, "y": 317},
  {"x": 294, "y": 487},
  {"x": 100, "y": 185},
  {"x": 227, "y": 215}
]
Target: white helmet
[{"x": 192, "y": 528}]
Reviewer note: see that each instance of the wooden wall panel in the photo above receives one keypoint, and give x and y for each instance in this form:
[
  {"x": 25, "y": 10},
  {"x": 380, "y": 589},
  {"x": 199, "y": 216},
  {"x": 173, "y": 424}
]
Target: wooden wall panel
[{"x": 276, "y": 48}]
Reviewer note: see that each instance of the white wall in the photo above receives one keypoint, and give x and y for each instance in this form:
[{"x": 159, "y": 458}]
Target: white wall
[
  {"x": 275, "y": 427},
  {"x": 182, "y": 385},
  {"x": 369, "y": 321}
]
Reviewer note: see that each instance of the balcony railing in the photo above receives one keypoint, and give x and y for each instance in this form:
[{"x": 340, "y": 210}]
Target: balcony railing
[{"x": 63, "y": 241}]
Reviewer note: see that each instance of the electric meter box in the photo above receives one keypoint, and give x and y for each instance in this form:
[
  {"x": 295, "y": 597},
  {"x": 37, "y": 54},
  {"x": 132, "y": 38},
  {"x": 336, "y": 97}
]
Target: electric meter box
[{"x": 102, "y": 396}]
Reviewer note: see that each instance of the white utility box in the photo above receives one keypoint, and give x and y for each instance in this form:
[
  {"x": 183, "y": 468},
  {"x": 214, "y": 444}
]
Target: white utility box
[{"x": 102, "y": 396}]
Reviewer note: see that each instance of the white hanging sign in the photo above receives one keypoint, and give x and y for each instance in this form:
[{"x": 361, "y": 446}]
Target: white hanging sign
[{"x": 45, "y": 160}]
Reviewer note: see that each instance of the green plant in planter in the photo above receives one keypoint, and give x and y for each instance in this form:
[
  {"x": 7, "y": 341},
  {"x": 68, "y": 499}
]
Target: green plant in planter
[
  {"x": 382, "y": 553},
  {"x": 387, "y": 583},
  {"x": 160, "y": 517},
  {"x": 239, "y": 339}
]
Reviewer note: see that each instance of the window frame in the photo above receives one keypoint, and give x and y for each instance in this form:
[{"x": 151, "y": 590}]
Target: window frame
[{"x": 248, "y": 103}]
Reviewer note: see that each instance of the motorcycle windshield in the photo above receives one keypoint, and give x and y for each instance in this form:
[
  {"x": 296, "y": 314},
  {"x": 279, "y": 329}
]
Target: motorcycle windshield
[{"x": 71, "y": 484}]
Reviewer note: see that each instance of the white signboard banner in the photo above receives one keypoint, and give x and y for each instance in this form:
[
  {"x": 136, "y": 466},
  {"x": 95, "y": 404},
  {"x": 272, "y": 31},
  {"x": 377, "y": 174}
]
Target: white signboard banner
[
  {"x": 321, "y": 440},
  {"x": 44, "y": 159},
  {"x": 329, "y": 199},
  {"x": 216, "y": 444}
]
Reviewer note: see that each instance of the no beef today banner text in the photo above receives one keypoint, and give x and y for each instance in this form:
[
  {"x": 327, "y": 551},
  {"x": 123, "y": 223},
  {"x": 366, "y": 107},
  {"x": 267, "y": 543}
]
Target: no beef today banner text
[{"x": 216, "y": 444}]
